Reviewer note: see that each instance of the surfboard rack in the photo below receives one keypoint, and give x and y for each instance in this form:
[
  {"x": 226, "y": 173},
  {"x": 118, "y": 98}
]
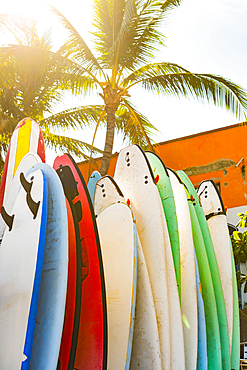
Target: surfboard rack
[{"x": 7, "y": 218}]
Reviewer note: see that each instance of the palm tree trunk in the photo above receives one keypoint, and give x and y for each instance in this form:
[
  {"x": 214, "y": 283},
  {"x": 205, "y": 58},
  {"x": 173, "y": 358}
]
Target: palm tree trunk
[{"x": 105, "y": 163}]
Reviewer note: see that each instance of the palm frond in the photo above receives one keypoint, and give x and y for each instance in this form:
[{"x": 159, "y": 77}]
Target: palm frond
[
  {"x": 76, "y": 46},
  {"x": 173, "y": 80},
  {"x": 7, "y": 124},
  {"x": 63, "y": 144},
  {"x": 4, "y": 143},
  {"x": 40, "y": 77},
  {"x": 17, "y": 25},
  {"x": 75, "y": 118},
  {"x": 140, "y": 34}
]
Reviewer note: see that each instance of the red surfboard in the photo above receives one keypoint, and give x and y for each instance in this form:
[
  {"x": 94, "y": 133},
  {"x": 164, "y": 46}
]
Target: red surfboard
[
  {"x": 70, "y": 333},
  {"x": 27, "y": 137},
  {"x": 91, "y": 349}
]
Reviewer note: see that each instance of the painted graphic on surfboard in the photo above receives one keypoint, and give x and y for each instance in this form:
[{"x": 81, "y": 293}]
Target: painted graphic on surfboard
[
  {"x": 91, "y": 349},
  {"x": 27, "y": 137},
  {"x": 21, "y": 270}
]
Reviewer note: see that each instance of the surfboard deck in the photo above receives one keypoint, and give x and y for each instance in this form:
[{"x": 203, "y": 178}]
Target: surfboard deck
[
  {"x": 119, "y": 252},
  {"x": 91, "y": 350}
]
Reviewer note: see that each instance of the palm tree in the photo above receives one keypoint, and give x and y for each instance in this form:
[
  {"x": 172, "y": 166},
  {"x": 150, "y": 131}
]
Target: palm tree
[
  {"x": 32, "y": 81},
  {"x": 127, "y": 36}
]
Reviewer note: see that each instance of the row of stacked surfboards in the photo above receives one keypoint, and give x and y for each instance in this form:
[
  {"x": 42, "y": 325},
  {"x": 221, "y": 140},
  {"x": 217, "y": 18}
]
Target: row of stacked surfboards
[{"x": 130, "y": 272}]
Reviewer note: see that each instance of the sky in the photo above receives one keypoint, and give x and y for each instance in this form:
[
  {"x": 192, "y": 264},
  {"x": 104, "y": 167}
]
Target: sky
[{"x": 203, "y": 36}]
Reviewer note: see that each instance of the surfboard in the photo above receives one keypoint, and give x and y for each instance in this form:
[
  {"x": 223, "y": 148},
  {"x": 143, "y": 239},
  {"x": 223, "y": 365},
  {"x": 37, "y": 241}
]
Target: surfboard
[
  {"x": 214, "y": 271},
  {"x": 146, "y": 345},
  {"x": 216, "y": 218},
  {"x": 119, "y": 252},
  {"x": 145, "y": 348},
  {"x": 51, "y": 305},
  {"x": 91, "y": 348},
  {"x": 27, "y": 137},
  {"x": 165, "y": 189},
  {"x": 21, "y": 261},
  {"x": 135, "y": 179},
  {"x": 29, "y": 160},
  {"x": 66, "y": 346},
  {"x": 188, "y": 277},
  {"x": 235, "y": 354},
  {"x": 107, "y": 192},
  {"x": 92, "y": 183},
  {"x": 202, "y": 358}
]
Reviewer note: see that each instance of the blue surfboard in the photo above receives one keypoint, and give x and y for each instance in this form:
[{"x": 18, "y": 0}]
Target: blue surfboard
[
  {"x": 51, "y": 307},
  {"x": 92, "y": 184}
]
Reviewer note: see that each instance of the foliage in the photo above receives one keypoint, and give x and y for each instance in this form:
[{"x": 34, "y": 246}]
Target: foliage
[
  {"x": 127, "y": 37},
  {"x": 239, "y": 244},
  {"x": 33, "y": 80}
]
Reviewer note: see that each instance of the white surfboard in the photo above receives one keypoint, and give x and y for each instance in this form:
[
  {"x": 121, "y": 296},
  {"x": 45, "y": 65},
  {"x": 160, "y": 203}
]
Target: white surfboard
[
  {"x": 118, "y": 244},
  {"x": 135, "y": 179},
  {"x": 217, "y": 223},
  {"x": 21, "y": 261},
  {"x": 51, "y": 308},
  {"x": 26, "y": 163},
  {"x": 107, "y": 192},
  {"x": 188, "y": 276},
  {"x": 145, "y": 348}
]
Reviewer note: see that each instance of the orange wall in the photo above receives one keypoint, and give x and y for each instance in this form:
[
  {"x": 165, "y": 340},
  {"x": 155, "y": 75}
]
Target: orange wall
[{"x": 210, "y": 155}]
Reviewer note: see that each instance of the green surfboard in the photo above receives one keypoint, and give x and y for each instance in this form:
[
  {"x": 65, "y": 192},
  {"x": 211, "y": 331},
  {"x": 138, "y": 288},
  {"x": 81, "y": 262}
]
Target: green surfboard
[
  {"x": 235, "y": 354},
  {"x": 214, "y": 270},
  {"x": 165, "y": 190},
  {"x": 212, "y": 324}
]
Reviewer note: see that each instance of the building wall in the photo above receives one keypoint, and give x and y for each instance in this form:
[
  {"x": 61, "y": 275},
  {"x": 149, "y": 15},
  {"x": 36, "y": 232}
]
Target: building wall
[{"x": 219, "y": 155}]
